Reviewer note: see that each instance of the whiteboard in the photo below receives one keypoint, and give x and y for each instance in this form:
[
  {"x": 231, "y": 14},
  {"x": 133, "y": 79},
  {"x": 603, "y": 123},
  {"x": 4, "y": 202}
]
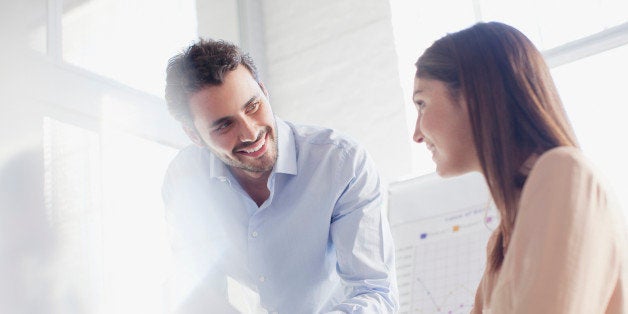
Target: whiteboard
[{"x": 440, "y": 227}]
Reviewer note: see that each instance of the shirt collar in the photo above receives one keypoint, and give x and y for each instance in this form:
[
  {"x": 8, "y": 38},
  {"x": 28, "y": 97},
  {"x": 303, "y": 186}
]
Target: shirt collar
[
  {"x": 287, "y": 149},
  {"x": 286, "y": 155},
  {"x": 217, "y": 168}
]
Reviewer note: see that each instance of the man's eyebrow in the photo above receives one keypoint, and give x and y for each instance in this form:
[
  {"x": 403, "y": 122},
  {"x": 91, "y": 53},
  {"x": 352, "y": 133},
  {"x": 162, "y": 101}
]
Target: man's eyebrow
[
  {"x": 252, "y": 99},
  {"x": 227, "y": 118},
  {"x": 220, "y": 121},
  {"x": 418, "y": 91}
]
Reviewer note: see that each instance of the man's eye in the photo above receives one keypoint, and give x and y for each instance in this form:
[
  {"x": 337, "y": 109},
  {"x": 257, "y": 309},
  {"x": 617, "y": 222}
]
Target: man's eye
[
  {"x": 252, "y": 107},
  {"x": 223, "y": 126}
]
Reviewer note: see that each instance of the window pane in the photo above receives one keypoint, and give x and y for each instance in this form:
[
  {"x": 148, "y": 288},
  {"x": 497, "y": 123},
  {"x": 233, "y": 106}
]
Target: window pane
[
  {"x": 136, "y": 250},
  {"x": 593, "y": 91},
  {"x": 551, "y": 23},
  {"x": 128, "y": 41},
  {"x": 72, "y": 200},
  {"x": 111, "y": 251}
]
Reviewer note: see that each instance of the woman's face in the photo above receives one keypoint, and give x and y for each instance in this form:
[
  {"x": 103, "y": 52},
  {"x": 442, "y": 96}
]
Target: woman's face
[{"x": 443, "y": 125}]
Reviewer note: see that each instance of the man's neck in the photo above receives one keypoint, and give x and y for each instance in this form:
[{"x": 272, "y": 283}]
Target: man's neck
[{"x": 254, "y": 183}]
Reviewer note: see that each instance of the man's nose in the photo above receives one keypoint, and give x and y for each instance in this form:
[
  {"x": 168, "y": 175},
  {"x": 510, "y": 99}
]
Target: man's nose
[{"x": 248, "y": 131}]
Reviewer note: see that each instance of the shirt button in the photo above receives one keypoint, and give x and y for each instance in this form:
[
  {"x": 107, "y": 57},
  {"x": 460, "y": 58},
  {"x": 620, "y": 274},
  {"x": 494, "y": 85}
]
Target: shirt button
[
  {"x": 262, "y": 278},
  {"x": 254, "y": 234}
]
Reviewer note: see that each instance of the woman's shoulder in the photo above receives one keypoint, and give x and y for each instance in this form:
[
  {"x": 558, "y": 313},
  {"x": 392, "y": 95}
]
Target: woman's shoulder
[
  {"x": 565, "y": 174},
  {"x": 561, "y": 174},
  {"x": 563, "y": 160},
  {"x": 562, "y": 154}
]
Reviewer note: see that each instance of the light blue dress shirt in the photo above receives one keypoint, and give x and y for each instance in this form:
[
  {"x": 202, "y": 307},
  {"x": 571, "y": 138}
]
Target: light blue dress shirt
[{"x": 318, "y": 244}]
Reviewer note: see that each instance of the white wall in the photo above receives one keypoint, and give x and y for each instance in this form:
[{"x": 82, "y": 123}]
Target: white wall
[
  {"x": 333, "y": 63},
  {"x": 218, "y": 19}
]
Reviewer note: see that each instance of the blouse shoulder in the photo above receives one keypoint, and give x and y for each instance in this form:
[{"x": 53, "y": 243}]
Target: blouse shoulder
[
  {"x": 567, "y": 249},
  {"x": 563, "y": 162},
  {"x": 563, "y": 155},
  {"x": 563, "y": 177}
]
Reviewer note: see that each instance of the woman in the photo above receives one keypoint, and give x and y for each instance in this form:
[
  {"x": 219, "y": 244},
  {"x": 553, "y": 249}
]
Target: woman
[{"x": 487, "y": 103}]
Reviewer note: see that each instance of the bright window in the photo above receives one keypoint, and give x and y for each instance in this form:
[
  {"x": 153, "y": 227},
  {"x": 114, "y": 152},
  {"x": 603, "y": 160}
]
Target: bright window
[
  {"x": 127, "y": 41},
  {"x": 551, "y": 23},
  {"x": 103, "y": 197}
]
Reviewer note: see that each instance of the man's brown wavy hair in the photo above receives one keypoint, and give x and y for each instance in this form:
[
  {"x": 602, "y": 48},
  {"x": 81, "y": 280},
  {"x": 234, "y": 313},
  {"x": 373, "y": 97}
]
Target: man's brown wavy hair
[{"x": 205, "y": 63}]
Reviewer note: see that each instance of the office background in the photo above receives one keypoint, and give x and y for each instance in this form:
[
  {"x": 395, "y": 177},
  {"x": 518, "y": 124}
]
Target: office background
[{"x": 86, "y": 137}]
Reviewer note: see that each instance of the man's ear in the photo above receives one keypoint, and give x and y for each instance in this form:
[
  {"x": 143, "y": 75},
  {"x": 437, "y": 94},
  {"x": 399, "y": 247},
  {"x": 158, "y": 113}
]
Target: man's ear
[{"x": 192, "y": 133}]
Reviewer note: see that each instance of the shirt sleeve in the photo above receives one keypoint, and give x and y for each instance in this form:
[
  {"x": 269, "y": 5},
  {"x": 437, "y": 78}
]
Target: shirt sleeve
[
  {"x": 563, "y": 255},
  {"x": 363, "y": 241}
]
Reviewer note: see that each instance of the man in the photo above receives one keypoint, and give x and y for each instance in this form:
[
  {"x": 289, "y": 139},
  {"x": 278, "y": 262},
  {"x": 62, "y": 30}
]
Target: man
[{"x": 264, "y": 212}]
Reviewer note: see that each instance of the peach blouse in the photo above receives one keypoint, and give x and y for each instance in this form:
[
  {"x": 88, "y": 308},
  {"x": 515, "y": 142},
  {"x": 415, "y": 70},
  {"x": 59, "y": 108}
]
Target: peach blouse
[{"x": 567, "y": 253}]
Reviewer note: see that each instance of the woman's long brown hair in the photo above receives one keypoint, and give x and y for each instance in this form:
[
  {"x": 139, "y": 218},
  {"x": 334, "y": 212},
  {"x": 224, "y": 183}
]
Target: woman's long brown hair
[{"x": 513, "y": 107}]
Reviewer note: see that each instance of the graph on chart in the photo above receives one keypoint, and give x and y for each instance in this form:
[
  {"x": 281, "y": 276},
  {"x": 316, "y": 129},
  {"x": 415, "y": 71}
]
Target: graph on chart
[{"x": 440, "y": 259}]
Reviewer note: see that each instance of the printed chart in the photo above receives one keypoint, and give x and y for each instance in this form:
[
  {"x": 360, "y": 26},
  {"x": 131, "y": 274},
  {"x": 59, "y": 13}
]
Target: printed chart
[{"x": 440, "y": 259}]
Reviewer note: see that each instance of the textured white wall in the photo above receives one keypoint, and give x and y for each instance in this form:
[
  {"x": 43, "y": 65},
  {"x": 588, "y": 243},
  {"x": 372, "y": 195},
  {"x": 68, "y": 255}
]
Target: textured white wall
[
  {"x": 333, "y": 63},
  {"x": 218, "y": 19}
]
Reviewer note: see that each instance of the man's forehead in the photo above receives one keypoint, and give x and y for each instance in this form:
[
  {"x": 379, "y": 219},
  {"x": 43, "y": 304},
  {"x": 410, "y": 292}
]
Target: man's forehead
[
  {"x": 207, "y": 104},
  {"x": 236, "y": 84}
]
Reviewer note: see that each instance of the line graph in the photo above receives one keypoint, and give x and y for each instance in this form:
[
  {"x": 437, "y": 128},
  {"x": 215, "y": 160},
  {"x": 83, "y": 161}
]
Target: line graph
[{"x": 440, "y": 260}]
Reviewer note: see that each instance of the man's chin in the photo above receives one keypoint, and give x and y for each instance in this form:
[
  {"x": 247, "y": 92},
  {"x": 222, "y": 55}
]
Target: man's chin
[
  {"x": 262, "y": 163},
  {"x": 263, "y": 166}
]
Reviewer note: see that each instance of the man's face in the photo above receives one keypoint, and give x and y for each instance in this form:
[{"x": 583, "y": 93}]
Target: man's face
[{"x": 235, "y": 121}]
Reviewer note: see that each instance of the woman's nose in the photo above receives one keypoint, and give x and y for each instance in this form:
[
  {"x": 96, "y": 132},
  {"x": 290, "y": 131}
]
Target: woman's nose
[{"x": 418, "y": 135}]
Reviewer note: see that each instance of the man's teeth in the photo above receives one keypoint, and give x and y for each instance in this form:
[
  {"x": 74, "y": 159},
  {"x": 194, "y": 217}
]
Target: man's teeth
[{"x": 254, "y": 149}]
